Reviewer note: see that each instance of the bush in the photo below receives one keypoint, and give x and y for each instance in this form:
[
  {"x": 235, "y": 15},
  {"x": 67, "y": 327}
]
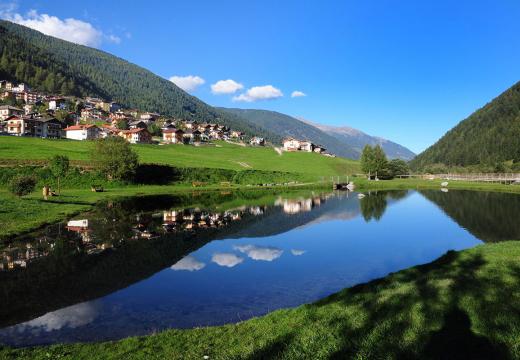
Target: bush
[
  {"x": 22, "y": 185},
  {"x": 114, "y": 157}
]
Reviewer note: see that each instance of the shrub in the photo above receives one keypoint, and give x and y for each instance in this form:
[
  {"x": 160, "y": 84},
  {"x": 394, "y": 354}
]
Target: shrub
[
  {"x": 114, "y": 157},
  {"x": 22, "y": 185}
]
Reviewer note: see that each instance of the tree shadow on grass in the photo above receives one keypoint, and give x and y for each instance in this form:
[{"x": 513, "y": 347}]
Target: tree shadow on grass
[
  {"x": 391, "y": 328},
  {"x": 273, "y": 350},
  {"x": 455, "y": 340}
]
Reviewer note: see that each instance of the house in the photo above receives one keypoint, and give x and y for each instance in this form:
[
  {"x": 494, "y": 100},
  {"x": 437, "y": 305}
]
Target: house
[
  {"x": 148, "y": 117},
  {"x": 56, "y": 103},
  {"x": 7, "y": 110},
  {"x": 107, "y": 130},
  {"x": 173, "y": 136},
  {"x": 20, "y": 88},
  {"x": 82, "y": 132},
  {"x": 137, "y": 124},
  {"x": 257, "y": 141},
  {"x": 191, "y": 137},
  {"x": 216, "y": 134},
  {"x": 47, "y": 128},
  {"x": 136, "y": 136},
  {"x": 4, "y": 84},
  {"x": 108, "y": 106},
  {"x": 18, "y": 126},
  {"x": 236, "y": 134},
  {"x": 190, "y": 125},
  {"x": 306, "y": 146},
  {"x": 291, "y": 144},
  {"x": 319, "y": 149}
]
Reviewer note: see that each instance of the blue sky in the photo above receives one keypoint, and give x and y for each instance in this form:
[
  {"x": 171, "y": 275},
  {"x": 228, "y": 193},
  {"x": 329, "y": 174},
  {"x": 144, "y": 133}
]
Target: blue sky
[{"x": 405, "y": 70}]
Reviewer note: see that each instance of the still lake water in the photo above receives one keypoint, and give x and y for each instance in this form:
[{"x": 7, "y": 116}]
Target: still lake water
[{"x": 146, "y": 264}]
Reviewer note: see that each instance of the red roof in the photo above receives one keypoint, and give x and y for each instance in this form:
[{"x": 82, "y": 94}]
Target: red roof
[{"x": 79, "y": 127}]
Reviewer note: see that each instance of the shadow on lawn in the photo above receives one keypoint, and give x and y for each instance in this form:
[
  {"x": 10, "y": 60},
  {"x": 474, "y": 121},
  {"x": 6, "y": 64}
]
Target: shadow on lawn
[
  {"x": 453, "y": 308},
  {"x": 446, "y": 329}
]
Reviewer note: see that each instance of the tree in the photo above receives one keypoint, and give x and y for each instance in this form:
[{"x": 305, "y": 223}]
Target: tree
[
  {"x": 398, "y": 167},
  {"x": 373, "y": 160},
  {"x": 22, "y": 185},
  {"x": 122, "y": 124},
  {"x": 154, "y": 129},
  {"x": 59, "y": 166},
  {"x": 115, "y": 158},
  {"x": 367, "y": 159}
]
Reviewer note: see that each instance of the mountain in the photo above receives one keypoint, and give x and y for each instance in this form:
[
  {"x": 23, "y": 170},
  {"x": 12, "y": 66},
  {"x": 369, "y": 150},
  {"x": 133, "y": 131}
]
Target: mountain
[
  {"x": 343, "y": 141},
  {"x": 489, "y": 135},
  {"x": 285, "y": 126},
  {"x": 56, "y": 66},
  {"x": 358, "y": 139}
]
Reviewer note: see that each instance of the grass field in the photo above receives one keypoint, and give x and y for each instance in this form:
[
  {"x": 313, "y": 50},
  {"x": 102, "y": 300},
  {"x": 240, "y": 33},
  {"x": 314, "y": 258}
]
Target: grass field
[
  {"x": 223, "y": 156},
  {"x": 452, "y": 308}
]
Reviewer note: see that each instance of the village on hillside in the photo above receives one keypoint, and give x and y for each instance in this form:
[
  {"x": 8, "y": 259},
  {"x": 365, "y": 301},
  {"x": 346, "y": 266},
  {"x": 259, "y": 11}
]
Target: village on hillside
[{"x": 33, "y": 114}]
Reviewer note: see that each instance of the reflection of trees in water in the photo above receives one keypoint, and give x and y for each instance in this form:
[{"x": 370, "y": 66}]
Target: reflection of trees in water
[
  {"x": 374, "y": 204},
  {"x": 489, "y": 216}
]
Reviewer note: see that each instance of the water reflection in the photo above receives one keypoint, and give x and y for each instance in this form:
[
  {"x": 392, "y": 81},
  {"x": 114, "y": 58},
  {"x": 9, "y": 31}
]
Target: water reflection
[
  {"x": 70, "y": 317},
  {"x": 226, "y": 259},
  {"x": 188, "y": 263},
  {"x": 158, "y": 262},
  {"x": 264, "y": 253}
]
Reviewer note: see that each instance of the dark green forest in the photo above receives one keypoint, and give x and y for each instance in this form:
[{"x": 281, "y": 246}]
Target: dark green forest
[
  {"x": 56, "y": 66},
  {"x": 490, "y": 136}
]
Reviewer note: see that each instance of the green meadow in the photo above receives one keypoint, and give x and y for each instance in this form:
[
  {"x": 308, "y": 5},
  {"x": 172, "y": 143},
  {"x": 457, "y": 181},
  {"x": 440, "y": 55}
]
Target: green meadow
[{"x": 222, "y": 156}]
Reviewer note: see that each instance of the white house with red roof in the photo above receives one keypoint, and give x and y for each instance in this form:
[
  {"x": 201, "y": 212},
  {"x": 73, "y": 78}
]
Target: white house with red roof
[{"x": 82, "y": 132}]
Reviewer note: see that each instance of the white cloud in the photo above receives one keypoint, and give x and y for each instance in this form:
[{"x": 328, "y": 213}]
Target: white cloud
[
  {"x": 297, "y": 252},
  {"x": 298, "y": 93},
  {"x": 226, "y": 259},
  {"x": 226, "y": 87},
  {"x": 72, "y": 317},
  {"x": 266, "y": 253},
  {"x": 70, "y": 29},
  {"x": 187, "y": 83},
  {"x": 266, "y": 92},
  {"x": 188, "y": 263}
]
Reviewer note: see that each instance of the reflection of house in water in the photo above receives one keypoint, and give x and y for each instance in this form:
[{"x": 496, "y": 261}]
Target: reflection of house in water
[
  {"x": 18, "y": 257},
  {"x": 80, "y": 227},
  {"x": 295, "y": 206}
]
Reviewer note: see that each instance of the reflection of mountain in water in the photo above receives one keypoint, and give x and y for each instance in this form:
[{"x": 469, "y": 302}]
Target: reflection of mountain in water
[
  {"x": 121, "y": 243},
  {"x": 487, "y": 215}
]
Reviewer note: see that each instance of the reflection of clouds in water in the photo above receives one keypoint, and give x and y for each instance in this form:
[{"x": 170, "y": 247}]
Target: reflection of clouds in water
[
  {"x": 72, "y": 317},
  {"x": 226, "y": 259},
  {"x": 297, "y": 252},
  {"x": 267, "y": 253},
  {"x": 188, "y": 263}
]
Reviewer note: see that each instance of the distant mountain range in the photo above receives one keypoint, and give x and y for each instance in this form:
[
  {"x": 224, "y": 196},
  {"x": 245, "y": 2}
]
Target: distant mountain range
[
  {"x": 343, "y": 141},
  {"x": 489, "y": 135},
  {"x": 357, "y": 139}
]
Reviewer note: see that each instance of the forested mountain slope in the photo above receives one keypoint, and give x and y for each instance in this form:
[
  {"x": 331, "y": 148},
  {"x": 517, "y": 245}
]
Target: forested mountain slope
[
  {"x": 59, "y": 67},
  {"x": 489, "y": 135}
]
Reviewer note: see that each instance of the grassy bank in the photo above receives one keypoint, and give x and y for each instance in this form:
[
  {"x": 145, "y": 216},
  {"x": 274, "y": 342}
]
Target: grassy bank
[
  {"x": 223, "y": 156},
  {"x": 452, "y": 307}
]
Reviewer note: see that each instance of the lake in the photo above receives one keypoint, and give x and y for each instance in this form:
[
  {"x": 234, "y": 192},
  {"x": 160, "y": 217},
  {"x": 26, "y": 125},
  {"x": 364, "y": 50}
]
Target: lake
[{"x": 141, "y": 265}]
